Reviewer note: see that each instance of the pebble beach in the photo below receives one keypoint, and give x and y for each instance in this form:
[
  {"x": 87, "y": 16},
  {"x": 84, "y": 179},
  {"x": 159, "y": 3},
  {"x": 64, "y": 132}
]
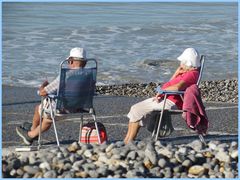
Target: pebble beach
[
  {"x": 137, "y": 159},
  {"x": 142, "y": 159}
]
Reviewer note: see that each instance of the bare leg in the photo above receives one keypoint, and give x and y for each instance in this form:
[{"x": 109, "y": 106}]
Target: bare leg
[
  {"x": 46, "y": 124},
  {"x": 133, "y": 128},
  {"x": 36, "y": 118}
]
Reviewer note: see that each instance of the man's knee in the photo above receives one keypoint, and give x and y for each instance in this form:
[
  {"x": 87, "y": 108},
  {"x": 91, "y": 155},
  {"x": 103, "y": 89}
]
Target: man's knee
[
  {"x": 37, "y": 108},
  {"x": 47, "y": 121}
]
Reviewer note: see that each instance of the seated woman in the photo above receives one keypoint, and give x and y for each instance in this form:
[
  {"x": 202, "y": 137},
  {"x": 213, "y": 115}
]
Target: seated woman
[{"x": 186, "y": 75}]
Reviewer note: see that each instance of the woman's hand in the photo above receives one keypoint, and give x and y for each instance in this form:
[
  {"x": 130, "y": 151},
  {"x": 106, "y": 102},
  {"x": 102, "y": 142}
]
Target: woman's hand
[
  {"x": 157, "y": 97},
  {"x": 181, "y": 70}
]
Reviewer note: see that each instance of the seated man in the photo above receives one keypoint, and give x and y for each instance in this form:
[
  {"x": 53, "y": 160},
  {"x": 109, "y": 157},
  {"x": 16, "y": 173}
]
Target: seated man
[
  {"x": 185, "y": 76},
  {"x": 30, "y": 131}
]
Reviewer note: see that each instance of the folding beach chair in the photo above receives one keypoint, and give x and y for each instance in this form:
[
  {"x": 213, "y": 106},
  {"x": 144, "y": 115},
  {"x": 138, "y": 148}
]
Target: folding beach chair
[
  {"x": 156, "y": 129},
  {"x": 75, "y": 95}
]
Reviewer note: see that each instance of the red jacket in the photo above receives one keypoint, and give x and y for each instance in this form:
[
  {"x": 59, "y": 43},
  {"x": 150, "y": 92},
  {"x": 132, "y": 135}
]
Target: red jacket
[{"x": 195, "y": 115}]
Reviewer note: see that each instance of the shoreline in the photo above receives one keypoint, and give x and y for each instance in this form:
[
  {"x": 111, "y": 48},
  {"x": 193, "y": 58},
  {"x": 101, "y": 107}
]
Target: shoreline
[
  {"x": 225, "y": 90},
  {"x": 212, "y": 90}
]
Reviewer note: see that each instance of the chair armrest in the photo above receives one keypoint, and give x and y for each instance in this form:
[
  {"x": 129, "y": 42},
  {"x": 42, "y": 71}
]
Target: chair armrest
[
  {"x": 160, "y": 91},
  {"x": 52, "y": 96}
]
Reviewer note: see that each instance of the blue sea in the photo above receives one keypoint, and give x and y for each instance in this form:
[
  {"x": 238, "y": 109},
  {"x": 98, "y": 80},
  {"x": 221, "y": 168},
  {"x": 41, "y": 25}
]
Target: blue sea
[{"x": 133, "y": 42}]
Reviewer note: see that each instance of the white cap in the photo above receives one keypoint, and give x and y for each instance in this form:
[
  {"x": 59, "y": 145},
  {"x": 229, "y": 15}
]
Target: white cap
[
  {"x": 78, "y": 53},
  {"x": 190, "y": 57}
]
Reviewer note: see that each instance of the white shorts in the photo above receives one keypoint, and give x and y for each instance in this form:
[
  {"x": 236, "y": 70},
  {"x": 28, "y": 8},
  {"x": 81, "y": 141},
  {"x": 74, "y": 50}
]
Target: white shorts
[
  {"x": 139, "y": 111},
  {"x": 47, "y": 108}
]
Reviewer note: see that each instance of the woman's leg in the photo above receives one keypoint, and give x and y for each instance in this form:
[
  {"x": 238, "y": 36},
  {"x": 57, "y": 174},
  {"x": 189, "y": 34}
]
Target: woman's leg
[
  {"x": 136, "y": 114},
  {"x": 139, "y": 111},
  {"x": 133, "y": 128}
]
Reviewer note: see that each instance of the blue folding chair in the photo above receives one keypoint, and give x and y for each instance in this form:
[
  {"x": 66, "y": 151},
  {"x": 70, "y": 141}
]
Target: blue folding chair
[
  {"x": 156, "y": 129},
  {"x": 75, "y": 95}
]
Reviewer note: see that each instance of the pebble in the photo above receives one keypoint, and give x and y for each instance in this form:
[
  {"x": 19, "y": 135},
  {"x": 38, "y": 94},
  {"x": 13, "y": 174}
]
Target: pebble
[
  {"x": 217, "y": 90},
  {"x": 196, "y": 170},
  {"x": 143, "y": 159},
  {"x": 30, "y": 170}
]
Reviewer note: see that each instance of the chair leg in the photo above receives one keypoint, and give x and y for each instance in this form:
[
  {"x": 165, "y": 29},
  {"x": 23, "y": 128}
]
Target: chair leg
[
  {"x": 40, "y": 129},
  {"x": 202, "y": 139},
  {"x": 95, "y": 122},
  {"x": 160, "y": 119},
  {"x": 54, "y": 125},
  {"x": 80, "y": 130}
]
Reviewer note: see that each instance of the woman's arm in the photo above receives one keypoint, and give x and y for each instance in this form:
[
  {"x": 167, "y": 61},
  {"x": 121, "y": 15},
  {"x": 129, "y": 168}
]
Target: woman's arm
[
  {"x": 176, "y": 87},
  {"x": 180, "y": 70}
]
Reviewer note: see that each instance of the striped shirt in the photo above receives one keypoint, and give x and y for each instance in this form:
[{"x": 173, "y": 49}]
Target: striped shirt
[{"x": 53, "y": 86}]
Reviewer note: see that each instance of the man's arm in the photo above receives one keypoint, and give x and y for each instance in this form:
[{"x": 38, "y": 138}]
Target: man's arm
[{"x": 42, "y": 91}]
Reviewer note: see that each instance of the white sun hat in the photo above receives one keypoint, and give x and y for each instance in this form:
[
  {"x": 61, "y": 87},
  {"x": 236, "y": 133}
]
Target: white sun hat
[
  {"x": 190, "y": 57},
  {"x": 78, "y": 53}
]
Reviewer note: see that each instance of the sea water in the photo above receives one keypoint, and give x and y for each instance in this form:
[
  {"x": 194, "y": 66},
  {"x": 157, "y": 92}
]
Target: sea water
[{"x": 132, "y": 42}]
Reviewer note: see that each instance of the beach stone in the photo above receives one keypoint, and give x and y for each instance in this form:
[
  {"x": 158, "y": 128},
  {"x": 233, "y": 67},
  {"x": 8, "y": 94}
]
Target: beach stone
[
  {"x": 192, "y": 158},
  {"x": 50, "y": 174},
  {"x": 26, "y": 175},
  {"x": 165, "y": 152},
  {"x": 103, "y": 158},
  {"x": 115, "y": 156},
  {"x": 223, "y": 156},
  {"x": 102, "y": 171},
  {"x": 119, "y": 144},
  {"x": 150, "y": 153},
  {"x": 80, "y": 151},
  {"x": 73, "y": 147},
  {"x": 16, "y": 163},
  {"x": 234, "y": 154},
  {"x": 167, "y": 173},
  {"x": 197, "y": 145},
  {"x": 45, "y": 165},
  {"x": 13, "y": 172},
  {"x": 81, "y": 174},
  {"x": 20, "y": 172},
  {"x": 196, "y": 170},
  {"x": 93, "y": 174},
  {"x": 88, "y": 153},
  {"x": 228, "y": 174},
  {"x": 187, "y": 163},
  {"x": 162, "y": 163},
  {"x": 178, "y": 169},
  {"x": 76, "y": 165},
  {"x": 110, "y": 147},
  {"x": 30, "y": 170},
  {"x": 32, "y": 159},
  {"x": 132, "y": 155},
  {"x": 183, "y": 150},
  {"x": 148, "y": 164},
  {"x": 159, "y": 144},
  {"x": 180, "y": 157},
  {"x": 234, "y": 145},
  {"x": 212, "y": 145}
]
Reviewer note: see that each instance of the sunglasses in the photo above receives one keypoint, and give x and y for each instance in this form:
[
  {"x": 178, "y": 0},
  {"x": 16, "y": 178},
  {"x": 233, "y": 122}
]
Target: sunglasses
[{"x": 69, "y": 61}]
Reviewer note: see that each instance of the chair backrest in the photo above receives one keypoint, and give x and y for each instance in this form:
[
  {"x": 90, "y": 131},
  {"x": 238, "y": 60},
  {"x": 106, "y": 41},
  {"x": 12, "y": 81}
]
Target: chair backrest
[
  {"x": 202, "y": 60},
  {"x": 76, "y": 88}
]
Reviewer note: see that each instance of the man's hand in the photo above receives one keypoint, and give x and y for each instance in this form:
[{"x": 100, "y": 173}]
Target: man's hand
[
  {"x": 42, "y": 91},
  {"x": 44, "y": 84}
]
